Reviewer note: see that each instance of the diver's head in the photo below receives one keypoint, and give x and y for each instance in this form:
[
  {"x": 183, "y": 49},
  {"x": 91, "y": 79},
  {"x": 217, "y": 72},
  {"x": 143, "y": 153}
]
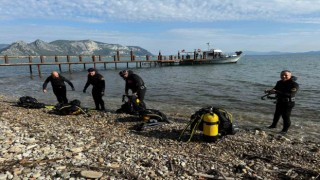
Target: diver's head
[
  {"x": 124, "y": 74},
  {"x": 55, "y": 74},
  {"x": 91, "y": 71},
  {"x": 285, "y": 75}
]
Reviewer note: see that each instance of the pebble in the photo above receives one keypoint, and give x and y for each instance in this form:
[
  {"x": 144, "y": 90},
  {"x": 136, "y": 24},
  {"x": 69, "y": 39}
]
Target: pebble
[{"x": 91, "y": 174}]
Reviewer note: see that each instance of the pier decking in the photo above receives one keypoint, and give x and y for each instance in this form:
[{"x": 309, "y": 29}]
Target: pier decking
[{"x": 86, "y": 59}]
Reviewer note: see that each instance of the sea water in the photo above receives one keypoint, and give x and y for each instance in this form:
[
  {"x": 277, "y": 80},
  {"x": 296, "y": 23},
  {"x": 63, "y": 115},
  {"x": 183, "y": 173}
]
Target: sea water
[{"x": 182, "y": 90}]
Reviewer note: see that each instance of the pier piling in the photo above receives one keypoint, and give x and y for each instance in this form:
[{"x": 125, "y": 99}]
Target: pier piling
[{"x": 30, "y": 66}]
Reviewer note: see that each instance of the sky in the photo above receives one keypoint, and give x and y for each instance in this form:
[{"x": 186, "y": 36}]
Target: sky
[{"x": 167, "y": 25}]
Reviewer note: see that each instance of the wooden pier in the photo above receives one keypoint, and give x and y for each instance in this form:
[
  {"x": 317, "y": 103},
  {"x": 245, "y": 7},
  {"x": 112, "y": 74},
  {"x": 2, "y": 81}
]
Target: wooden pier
[{"x": 86, "y": 59}]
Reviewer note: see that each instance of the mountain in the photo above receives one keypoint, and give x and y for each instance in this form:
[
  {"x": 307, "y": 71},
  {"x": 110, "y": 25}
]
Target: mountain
[
  {"x": 89, "y": 47},
  {"x": 3, "y": 46},
  {"x": 72, "y": 48},
  {"x": 311, "y": 52},
  {"x": 265, "y": 53}
]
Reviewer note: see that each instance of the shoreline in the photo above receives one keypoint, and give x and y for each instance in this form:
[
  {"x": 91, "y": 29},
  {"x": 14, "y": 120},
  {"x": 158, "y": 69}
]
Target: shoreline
[{"x": 37, "y": 144}]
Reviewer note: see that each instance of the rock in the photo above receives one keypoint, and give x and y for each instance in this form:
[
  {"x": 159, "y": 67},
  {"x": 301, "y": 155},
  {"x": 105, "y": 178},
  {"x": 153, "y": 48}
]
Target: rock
[
  {"x": 3, "y": 176},
  {"x": 2, "y": 160},
  {"x": 113, "y": 165},
  {"x": 76, "y": 150},
  {"x": 17, "y": 148},
  {"x": 59, "y": 168},
  {"x": 183, "y": 164},
  {"x": 91, "y": 174},
  {"x": 264, "y": 134}
]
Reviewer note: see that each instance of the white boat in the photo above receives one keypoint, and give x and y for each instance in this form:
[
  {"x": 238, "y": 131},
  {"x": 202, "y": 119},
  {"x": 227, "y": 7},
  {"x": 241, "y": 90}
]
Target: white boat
[{"x": 212, "y": 56}]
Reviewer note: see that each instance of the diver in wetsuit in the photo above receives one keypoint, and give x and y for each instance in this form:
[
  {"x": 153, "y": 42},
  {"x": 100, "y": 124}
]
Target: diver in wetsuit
[
  {"x": 135, "y": 83},
  {"x": 58, "y": 86},
  {"x": 285, "y": 91},
  {"x": 98, "y": 83}
]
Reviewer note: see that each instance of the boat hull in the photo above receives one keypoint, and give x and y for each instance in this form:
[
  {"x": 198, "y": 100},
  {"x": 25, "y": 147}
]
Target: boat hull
[{"x": 222, "y": 60}]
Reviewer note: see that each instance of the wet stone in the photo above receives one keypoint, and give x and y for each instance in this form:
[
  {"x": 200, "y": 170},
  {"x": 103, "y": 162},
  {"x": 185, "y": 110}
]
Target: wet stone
[{"x": 91, "y": 174}]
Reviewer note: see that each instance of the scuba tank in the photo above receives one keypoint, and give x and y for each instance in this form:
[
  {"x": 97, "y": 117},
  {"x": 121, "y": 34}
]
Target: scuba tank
[{"x": 210, "y": 127}]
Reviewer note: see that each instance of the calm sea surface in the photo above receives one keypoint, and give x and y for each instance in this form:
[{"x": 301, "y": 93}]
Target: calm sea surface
[{"x": 184, "y": 89}]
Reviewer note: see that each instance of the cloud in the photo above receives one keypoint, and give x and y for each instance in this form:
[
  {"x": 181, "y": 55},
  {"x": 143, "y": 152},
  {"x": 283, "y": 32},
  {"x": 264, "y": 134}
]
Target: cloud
[
  {"x": 167, "y": 25},
  {"x": 164, "y": 10}
]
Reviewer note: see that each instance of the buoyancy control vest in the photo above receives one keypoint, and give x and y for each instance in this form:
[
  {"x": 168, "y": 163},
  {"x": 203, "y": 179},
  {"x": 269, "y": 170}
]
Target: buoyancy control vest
[
  {"x": 150, "y": 118},
  {"x": 72, "y": 108},
  {"x": 153, "y": 114}
]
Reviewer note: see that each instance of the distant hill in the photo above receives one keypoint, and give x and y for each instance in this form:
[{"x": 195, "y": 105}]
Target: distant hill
[
  {"x": 311, "y": 52},
  {"x": 66, "y": 47},
  {"x": 278, "y": 53},
  {"x": 89, "y": 47},
  {"x": 3, "y": 46}
]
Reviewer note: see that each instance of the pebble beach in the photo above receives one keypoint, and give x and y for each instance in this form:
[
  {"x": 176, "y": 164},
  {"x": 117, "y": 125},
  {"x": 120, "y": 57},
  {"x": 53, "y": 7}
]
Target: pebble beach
[{"x": 38, "y": 145}]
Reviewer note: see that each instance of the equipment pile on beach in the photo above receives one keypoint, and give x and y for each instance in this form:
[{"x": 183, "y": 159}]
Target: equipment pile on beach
[{"x": 213, "y": 122}]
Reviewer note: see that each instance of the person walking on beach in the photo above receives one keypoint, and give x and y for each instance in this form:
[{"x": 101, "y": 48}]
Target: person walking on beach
[
  {"x": 58, "y": 86},
  {"x": 285, "y": 91},
  {"x": 97, "y": 81},
  {"x": 135, "y": 83}
]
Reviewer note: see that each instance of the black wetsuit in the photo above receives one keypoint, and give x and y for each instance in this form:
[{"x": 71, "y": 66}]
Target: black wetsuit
[
  {"x": 59, "y": 87},
  {"x": 285, "y": 93},
  {"x": 98, "y": 83},
  {"x": 136, "y": 85}
]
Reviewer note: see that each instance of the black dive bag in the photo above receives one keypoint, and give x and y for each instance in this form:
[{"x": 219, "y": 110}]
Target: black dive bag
[{"x": 30, "y": 102}]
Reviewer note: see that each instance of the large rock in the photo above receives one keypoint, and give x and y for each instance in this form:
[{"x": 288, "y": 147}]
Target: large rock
[{"x": 91, "y": 174}]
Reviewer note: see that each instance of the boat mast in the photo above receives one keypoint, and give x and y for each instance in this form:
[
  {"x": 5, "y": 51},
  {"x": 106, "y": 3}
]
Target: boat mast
[{"x": 208, "y": 46}]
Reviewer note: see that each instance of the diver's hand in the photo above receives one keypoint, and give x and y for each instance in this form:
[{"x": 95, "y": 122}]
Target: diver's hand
[
  {"x": 84, "y": 91},
  {"x": 73, "y": 89},
  {"x": 44, "y": 90},
  {"x": 271, "y": 91}
]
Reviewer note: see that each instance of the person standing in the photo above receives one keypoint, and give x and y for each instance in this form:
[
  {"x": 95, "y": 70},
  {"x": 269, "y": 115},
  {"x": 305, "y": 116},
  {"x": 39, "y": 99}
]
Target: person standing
[
  {"x": 285, "y": 91},
  {"x": 97, "y": 81},
  {"x": 58, "y": 86},
  {"x": 134, "y": 83}
]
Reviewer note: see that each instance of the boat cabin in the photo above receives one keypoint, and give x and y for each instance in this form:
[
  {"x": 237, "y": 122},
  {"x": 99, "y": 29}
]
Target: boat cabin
[
  {"x": 210, "y": 54},
  {"x": 214, "y": 53}
]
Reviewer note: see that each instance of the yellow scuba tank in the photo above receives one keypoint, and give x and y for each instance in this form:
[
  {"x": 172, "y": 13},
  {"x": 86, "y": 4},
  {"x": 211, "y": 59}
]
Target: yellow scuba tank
[{"x": 210, "y": 127}]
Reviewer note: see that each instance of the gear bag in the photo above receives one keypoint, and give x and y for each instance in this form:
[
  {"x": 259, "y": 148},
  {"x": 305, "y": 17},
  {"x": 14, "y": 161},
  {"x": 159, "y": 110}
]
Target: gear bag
[{"x": 29, "y": 102}]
